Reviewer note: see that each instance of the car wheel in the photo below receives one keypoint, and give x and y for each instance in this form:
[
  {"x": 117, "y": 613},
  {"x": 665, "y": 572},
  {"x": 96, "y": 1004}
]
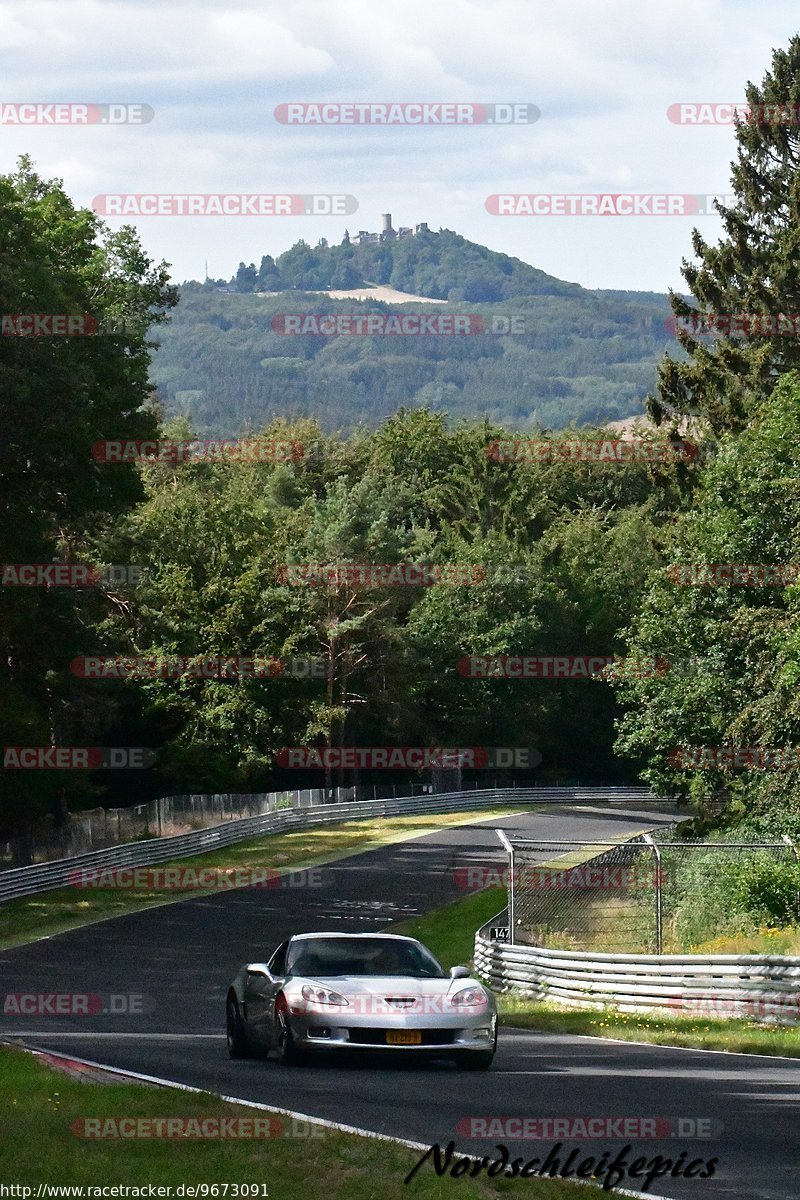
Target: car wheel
[
  {"x": 235, "y": 1032},
  {"x": 288, "y": 1053}
]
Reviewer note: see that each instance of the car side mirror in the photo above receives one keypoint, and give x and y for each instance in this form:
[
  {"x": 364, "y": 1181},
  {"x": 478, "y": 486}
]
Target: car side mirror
[
  {"x": 257, "y": 969},
  {"x": 459, "y": 972}
]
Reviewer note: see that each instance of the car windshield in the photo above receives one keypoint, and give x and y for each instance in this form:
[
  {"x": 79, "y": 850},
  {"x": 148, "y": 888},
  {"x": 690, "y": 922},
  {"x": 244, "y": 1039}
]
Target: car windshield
[{"x": 327, "y": 958}]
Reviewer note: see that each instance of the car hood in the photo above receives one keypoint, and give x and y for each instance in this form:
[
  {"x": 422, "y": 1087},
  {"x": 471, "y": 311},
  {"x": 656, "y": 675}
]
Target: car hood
[{"x": 388, "y": 985}]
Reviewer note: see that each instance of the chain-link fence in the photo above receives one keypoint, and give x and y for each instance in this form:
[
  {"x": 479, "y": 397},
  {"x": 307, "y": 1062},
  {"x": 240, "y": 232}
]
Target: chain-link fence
[{"x": 648, "y": 895}]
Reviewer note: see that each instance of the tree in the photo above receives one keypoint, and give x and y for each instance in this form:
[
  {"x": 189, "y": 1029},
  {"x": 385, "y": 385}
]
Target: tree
[
  {"x": 752, "y": 270},
  {"x": 58, "y": 396},
  {"x": 269, "y": 277},
  {"x": 345, "y": 276},
  {"x": 246, "y": 278},
  {"x": 732, "y": 652},
  {"x": 300, "y": 266},
  {"x": 358, "y": 521}
]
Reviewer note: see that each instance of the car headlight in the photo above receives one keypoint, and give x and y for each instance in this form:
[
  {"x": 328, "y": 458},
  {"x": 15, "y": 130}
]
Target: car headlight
[
  {"x": 321, "y": 995},
  {"x": 470, "y": 996}
]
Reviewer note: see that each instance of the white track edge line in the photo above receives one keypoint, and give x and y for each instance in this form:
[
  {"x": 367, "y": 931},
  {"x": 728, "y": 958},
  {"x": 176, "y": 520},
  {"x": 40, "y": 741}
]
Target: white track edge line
[
  {"x": 593, "y": 1037},
  {"x": 340, "y": 1128},
  {"x": 752, "y": 1058}
]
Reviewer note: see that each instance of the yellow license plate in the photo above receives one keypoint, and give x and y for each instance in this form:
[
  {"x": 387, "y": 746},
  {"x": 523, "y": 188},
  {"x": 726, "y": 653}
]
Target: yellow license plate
[{"x": 403, "y": 1037}]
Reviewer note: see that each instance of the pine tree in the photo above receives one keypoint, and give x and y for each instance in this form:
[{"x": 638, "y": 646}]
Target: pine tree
[{"x": 753, "y": 269}]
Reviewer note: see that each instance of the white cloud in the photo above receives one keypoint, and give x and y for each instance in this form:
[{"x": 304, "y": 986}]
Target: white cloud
[{"x": 603, "y": 76}]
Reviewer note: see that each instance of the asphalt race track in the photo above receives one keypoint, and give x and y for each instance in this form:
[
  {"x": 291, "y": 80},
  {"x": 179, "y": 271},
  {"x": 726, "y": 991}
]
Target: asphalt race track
[{"x": 182, "y": 956}]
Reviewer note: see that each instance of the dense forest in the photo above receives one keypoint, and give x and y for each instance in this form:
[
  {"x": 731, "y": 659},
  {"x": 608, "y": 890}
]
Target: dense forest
[
  {"x": 572, "y": 556},
  {"x": 579, "y": 356}
]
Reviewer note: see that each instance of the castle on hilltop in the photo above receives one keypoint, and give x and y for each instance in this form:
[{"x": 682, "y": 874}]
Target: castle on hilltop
[{"x": 387, "y": 233}]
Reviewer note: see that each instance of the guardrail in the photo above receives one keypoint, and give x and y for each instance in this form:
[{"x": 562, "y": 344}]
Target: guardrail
[
  {"x": 43, "y": 877},
  {"x": 727, "y": 985}
]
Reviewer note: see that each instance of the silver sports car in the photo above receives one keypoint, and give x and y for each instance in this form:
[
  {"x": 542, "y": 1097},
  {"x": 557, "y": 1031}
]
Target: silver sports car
[{"x": 360, "y": 991}]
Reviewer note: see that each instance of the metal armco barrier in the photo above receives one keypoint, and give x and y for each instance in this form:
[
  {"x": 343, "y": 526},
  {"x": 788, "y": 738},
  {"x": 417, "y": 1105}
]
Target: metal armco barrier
[
  {"x": 747, "y": 985},
  {"x": 43, "y": 877}
]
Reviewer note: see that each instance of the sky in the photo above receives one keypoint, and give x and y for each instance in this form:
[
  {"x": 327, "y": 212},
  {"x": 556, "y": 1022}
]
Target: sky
[{"x": 602, "y": 76}]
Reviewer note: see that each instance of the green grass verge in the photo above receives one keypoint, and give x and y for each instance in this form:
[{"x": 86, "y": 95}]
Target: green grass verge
[
  {"x": 39, "y": 1105},
  {"x": 740, "y": 1036},
  {"x": 450, "y": 933},
  {"x": 48, "y": 913}
]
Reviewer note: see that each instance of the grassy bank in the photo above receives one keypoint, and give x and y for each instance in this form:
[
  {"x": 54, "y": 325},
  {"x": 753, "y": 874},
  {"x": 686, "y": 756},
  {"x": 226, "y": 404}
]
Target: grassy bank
[
  {"x": 40, "y": 1107},
  {"x": 450, "y": 931},
  {"x": 740, "y": 1036}
]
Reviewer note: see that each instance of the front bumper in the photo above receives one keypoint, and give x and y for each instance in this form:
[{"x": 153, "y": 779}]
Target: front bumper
[{"x": 332, "y": 1030}]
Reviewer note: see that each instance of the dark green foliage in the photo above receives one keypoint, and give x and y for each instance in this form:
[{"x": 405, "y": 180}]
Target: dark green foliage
[
  {"x": 58, "y": 395},
  {"x": 743, "y": 641},
  {"x": 587, "y": 357},
  {"x": 753, "y": 269}
]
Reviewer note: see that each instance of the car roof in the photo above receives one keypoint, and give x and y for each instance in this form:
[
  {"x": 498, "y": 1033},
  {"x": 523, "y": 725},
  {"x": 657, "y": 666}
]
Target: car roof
[{"x": 393, "y": 937}]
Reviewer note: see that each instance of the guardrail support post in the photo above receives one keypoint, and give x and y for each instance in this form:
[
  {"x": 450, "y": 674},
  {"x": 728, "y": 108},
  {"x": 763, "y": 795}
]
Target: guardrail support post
[
  {"x": 510, "y": 887},
  {"x": 789, "y": 842},
  {"x": 659, "y": 911}
]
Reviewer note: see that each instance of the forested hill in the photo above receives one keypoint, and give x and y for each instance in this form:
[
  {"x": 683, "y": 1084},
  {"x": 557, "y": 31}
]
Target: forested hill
[
  {"x": 571, "y": 355},
  {"x": 444, "y": 266}
]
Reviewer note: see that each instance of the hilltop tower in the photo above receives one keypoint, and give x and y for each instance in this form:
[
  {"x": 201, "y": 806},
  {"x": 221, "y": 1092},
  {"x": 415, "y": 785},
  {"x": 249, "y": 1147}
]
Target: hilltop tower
[{"x": 387, "y": 233}]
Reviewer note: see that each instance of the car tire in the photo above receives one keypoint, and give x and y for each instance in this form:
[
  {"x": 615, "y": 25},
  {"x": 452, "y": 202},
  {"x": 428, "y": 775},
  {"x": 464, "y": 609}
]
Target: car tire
[
  {"x": 288, "y": 1054},
  {"x": 235, "y": 1032}
]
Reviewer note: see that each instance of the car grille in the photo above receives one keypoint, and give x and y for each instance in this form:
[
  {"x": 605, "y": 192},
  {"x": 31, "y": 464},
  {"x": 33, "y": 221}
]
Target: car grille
[{"x": 377, "y": 1037}]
